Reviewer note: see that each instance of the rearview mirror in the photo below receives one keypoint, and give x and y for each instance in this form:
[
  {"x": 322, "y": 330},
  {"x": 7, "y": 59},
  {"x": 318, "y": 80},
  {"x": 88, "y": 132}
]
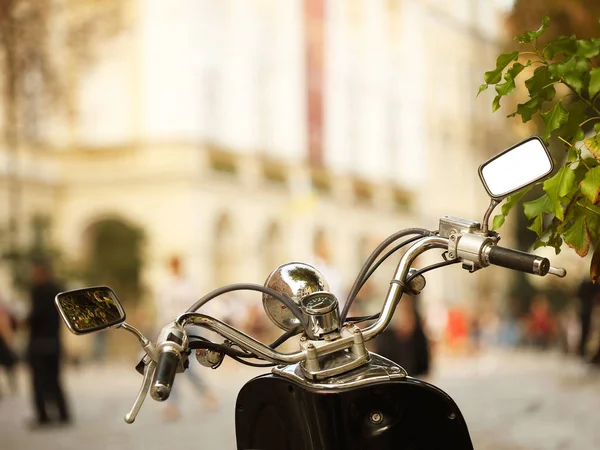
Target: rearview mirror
[
  {"x": 90, "y": 309},
  {"x": 516, "y": 168}
]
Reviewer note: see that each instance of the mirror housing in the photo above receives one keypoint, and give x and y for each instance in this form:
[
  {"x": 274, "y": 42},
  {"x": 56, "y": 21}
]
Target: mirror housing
[
  {"x": 516, "y": 168},
  {"x": 90, "y": 309}
]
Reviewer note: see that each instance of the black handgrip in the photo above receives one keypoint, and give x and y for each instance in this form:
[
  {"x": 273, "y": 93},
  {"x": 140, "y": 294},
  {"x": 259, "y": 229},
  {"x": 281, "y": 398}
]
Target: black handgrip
[
  {"x": 164, "y": 375},
  {"x": 516, "y": 260}
]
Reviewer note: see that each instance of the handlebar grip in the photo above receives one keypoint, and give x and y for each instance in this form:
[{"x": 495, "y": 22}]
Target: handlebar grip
[
  {"x": 517, "y": 260},
  {"x": 164, "y": 374}
]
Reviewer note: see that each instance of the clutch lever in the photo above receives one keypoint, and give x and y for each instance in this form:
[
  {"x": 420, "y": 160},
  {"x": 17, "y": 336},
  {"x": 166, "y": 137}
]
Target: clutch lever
[{"x": 146, "y": 366}]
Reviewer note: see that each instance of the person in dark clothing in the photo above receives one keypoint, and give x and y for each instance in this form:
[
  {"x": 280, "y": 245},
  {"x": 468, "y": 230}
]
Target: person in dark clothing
[
  {"x": 589, "y": 295},
  {"x": 44, "y": 347},
  {"x": 8, "y": 357},
  {"x": 405, "y": 341}
]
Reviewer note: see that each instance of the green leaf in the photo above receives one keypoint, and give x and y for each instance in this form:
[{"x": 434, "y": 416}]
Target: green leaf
[
  {"x": 512, "y": 200},
  {"x": 498, "y": 221},
  {"x": 589, "y": 206},
  {"x": 592, "y": 145},
  {"x": 578, "y": 236},
  {"x": 571, "y": 131},
  {"x": 508, "y": 86},
  {"x": 496, "y": 103},
  {"x": 538, "y": 81},
  {"x": 539, "y": 243},
  {"x": 555, "y": 241},
  {"x": 540, "y": 90},
  {"x": 573, "y": 70},
  {"x": 515, "y": 70},
  {"x": 563, "y": 45},
  {"x": 561, "y": 183},
  {"x": 556, "y": 187},
  {"x": 593, "y": 223},
  {"x": 529, "y": 36},
  {"x": 538, "y": 206},
  {"x": 537, "y": 225},
  {"x": 572, "y": 155},
  {"x": 494, "y": 76},
  {"x": 590, "y": 186},
  {"x": 594, "y": 86},
  {"x": 482, "y": 88},
  {"x": 528, "y": 109},
  {"x": 505, "y": 88},
  {"x": 588, "y": 49},
  {"x": 554, "y": 119}
]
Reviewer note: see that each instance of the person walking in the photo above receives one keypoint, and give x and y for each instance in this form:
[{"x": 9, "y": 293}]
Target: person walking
[
  {"x": 8, "y": 357},
  {"x": 174, "y": 298},
  {"x": 588, "y": 295},
  {"x": 44, "y": 349},
  {"x": 405, "y": 341}
]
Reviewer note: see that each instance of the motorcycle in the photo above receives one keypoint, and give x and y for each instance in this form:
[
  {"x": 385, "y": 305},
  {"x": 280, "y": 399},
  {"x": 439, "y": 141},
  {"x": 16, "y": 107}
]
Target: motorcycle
[{"x": 332, "y": 392}]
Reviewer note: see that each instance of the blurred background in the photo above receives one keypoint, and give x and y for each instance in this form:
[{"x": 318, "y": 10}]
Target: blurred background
[{"x": 232, "y": 136}]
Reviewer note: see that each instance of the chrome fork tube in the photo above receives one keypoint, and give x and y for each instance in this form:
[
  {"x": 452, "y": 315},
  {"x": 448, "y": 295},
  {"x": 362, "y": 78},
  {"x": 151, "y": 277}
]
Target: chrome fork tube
[{"x": 396, "y": 285}]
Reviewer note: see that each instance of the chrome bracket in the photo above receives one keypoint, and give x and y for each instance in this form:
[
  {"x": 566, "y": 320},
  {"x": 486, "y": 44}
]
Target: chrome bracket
[
  {"x": 324, "y": 364},
  {"x": 378, "y": 369}
]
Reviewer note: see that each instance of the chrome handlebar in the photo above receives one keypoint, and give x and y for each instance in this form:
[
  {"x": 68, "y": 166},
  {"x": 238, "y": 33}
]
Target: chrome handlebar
[{"x": 474, "y": 249}]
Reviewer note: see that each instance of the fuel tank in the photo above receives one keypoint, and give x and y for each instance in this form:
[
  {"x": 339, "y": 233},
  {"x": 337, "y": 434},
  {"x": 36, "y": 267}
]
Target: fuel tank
[{"x": 373, "y": 407}]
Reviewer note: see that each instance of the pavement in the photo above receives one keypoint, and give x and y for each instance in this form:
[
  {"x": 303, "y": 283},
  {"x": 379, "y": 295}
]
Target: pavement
[{"x": 518, "y": 400}]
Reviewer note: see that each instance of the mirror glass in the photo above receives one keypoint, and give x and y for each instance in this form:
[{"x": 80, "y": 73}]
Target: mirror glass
[
  {"x": 516, "y": 168},
  {"x": 90, "y": 309}
]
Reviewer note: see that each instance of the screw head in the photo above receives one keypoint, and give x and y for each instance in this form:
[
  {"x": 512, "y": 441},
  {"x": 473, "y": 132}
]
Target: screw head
[{"x": 376, "y": 417}]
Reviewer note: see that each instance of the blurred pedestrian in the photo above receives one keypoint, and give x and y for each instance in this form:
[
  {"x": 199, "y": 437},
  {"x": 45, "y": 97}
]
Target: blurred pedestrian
[
  {"x": 404, "y": 341},
  {"x": 44, "y": 348},
  {"x": 174, "y": 298},
  {"x": 541, "y": 326},
  {"x": 457, "y": 330},
  {"x": 8, "y": 357},
  {"x": 589, "y": 296}
]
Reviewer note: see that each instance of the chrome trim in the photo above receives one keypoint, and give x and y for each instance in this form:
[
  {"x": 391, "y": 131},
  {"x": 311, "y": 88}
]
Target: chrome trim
[
  {"x": 558, "y": 271},
  {"x": 240, "y": 338},
  {"x": 138, "y": 334},
  {"x": 541, "y": 266},
  {"x": 378, "y": 369},
  {"x": 396, "y": 289}
]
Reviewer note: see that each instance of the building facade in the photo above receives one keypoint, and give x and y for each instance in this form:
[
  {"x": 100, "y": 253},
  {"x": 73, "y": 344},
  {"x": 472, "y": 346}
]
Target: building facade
[{"x": 233, "y": 132}]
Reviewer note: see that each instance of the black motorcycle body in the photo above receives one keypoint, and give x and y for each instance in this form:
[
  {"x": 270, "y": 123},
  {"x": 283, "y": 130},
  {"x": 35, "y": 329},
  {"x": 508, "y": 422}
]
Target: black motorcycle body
[{"x": 277, "y": 413}]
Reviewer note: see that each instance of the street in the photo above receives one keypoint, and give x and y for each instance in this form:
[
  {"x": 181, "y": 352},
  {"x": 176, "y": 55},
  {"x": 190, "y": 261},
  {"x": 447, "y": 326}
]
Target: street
[{"x": 517, "y": 400}]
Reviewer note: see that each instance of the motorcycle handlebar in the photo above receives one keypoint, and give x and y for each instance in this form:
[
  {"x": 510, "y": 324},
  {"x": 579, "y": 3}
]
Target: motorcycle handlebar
[
  {"x": 517, "y": 260},
  {"x": 164, "y": 375}
]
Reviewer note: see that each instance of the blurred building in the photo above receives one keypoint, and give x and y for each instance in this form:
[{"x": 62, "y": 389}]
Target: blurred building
[{"x": 234, "y": 132}]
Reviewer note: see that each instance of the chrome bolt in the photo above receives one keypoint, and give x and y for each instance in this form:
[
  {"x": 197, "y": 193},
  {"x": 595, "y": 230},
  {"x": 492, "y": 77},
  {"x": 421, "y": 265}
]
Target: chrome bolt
[
  {"x": 452, "y": 416},
  {"x": 376, "y": 417},
  {"x": 303, "y": 339}
]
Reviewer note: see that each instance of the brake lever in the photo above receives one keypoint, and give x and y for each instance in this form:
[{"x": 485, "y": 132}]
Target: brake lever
[{"x": 149, "y": 366}]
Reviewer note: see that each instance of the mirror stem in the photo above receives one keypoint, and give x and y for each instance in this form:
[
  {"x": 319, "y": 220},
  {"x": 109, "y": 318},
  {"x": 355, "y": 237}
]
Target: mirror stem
[
  {"x": 136, "y": 332},
  {"x": 488, "y": 213}
]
